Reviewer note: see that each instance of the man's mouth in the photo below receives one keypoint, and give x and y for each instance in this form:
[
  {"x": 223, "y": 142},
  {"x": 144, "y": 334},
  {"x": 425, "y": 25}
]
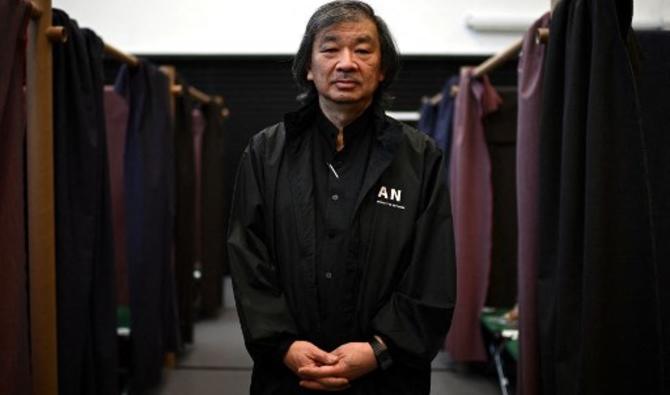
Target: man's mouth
[{"x": 345, "y": 83}]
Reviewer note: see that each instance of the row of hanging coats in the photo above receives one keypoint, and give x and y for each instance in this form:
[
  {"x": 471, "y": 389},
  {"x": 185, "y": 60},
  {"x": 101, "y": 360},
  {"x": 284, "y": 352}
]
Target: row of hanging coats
[
  {"x": 591, "y": 197},
  {"x": 134, "y": 172}
]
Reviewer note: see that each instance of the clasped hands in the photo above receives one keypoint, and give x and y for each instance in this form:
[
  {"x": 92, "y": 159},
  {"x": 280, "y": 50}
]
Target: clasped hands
[{"x": 329, "y": 371}]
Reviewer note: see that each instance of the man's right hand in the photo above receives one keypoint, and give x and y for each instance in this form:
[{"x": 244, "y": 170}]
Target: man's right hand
[{"x": 303, "y": 354}]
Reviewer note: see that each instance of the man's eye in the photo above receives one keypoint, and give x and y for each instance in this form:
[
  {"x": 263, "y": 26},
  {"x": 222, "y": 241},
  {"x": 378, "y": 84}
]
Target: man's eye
[
  {"x": 363, "y": 51},
  {"x": 329, "y": 50}
]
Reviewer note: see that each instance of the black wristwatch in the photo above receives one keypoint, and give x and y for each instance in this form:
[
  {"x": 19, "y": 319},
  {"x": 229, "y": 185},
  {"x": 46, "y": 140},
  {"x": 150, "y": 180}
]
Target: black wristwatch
[{"x": 382, "y": 355}]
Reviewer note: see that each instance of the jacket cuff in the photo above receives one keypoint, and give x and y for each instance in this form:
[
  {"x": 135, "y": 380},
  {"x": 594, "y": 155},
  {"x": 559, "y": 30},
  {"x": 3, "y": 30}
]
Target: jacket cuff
[{"x": 282, "y": 348}]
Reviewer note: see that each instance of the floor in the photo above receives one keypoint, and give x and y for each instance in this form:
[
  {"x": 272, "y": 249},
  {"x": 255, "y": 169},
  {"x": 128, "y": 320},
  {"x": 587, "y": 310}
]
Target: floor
[{"x": 217, "y": 363}]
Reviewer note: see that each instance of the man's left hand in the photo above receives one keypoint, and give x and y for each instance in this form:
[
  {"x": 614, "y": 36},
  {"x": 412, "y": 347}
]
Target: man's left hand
[{"x": 356, "y": 360}]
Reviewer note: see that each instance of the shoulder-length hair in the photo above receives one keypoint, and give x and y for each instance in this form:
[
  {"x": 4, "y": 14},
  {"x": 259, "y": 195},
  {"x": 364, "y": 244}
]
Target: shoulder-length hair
[{"x": 333, "y": 13}]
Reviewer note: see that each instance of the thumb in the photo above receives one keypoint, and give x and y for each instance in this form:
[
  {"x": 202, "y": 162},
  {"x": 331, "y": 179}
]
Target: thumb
[{"x": 323, "y": 357}]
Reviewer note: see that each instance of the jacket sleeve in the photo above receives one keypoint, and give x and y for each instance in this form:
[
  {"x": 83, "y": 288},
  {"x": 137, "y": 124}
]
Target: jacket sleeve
[
  {"x": 267, "y": 323},
  {"x": 414, "y": 321}
]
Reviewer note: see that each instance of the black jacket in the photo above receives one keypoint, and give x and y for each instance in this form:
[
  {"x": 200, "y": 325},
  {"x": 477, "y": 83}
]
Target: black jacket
[{"x": 402, "y": 254}]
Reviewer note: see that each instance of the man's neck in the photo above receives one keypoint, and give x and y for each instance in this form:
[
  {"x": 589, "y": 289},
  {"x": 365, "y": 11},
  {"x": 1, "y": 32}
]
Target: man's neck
[{"x": 342, "y": 115}]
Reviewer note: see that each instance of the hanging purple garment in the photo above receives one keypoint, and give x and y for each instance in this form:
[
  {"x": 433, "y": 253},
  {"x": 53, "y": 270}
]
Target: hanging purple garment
[
  {"x": 116, "y": 114},
  {"x": 528, "y": 161},
  {"x": 14, "y": 329},
  {"x": 471, "y": 200}
]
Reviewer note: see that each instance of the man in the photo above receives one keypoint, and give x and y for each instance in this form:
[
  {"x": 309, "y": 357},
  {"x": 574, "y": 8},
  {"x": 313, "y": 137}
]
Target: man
[{"x": 341, "y": 245}]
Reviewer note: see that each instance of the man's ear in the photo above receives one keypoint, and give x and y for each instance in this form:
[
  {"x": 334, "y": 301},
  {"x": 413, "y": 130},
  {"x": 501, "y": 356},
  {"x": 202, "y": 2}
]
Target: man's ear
[{"x": 310, "y": 75}]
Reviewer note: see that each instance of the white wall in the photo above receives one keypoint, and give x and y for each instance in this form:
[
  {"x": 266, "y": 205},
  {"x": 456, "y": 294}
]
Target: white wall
[
  {"x": 438, "y": 27},
  {"x": 649, "y": 14}
]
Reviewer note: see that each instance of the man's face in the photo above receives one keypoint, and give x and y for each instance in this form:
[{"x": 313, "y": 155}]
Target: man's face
[{"x": 346, "y": 62}]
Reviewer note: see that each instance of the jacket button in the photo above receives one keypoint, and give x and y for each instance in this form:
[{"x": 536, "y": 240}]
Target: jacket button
[
  {"x": 335, "y": 197},
  {"x": 329, "y": 275}
]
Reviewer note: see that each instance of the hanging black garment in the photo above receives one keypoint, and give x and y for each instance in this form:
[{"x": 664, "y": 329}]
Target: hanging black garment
[
  {"x": 214, "y": 214},
  {"x": 437, "y": 119},
  {"x": 444, "y": 124},
  {"x": 427, "y": 117},
  {"x": 597, "y": 287},
  {"x": 148, "y": 175},
  {"x": 185, "y": 212},
  {"x": 500, "y": 132},
  {"x": 654, "y": 78},
  {"x": 86, "y": 301},
  {"x": 14, "y": 328}
]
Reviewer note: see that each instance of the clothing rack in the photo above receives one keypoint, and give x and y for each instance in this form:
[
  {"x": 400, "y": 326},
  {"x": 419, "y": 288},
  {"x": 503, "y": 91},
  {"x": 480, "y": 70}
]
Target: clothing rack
[
  {"x": 541, "y": 36},
  {"x": 202, "y": 97},
  {"x": 121, "y": 56},
  {"x": 40, "y": 189},
  {"x": 438, "y": 97},
  {"x": 57, "y": 33},
  {"x": 495, "y": 61},
  {"x": 490, "y": 64},
  {"x": 175, "y": 89},
  {"x": 498, "y": 59}
]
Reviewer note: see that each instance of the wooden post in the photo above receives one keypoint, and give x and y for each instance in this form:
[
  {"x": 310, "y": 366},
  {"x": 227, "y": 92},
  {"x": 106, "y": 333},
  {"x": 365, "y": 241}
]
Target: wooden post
[{"x": 41, "y": 214}]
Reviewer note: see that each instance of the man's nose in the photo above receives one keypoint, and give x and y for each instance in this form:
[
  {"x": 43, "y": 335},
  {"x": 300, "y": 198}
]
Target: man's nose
[{"x": 346, "y": 61}]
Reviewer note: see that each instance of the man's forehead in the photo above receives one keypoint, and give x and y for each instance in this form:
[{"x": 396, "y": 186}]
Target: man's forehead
[{"x": 360, "y": 30}]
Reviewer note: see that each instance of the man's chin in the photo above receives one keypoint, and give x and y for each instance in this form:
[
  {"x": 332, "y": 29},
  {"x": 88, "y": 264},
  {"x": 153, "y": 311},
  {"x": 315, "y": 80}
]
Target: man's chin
[{"x": 346, "y": 99}]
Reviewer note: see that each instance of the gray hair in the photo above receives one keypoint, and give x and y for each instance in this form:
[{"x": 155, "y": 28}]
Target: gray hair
[{"x": 333, "y": 13}]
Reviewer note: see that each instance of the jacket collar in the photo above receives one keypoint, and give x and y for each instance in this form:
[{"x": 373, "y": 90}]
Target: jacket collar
[{"x": 387, "y": 132}]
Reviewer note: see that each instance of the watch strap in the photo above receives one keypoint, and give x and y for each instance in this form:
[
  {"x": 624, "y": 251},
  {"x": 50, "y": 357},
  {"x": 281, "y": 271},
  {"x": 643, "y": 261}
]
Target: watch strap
[{"x": 381, "y": 354}]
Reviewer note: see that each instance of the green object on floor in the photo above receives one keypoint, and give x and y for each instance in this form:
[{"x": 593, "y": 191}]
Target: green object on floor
[
  {"x": 494, "y": 321},
  {"x": 123, "y": 317},
  {"x": 512, "y": 347}
]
